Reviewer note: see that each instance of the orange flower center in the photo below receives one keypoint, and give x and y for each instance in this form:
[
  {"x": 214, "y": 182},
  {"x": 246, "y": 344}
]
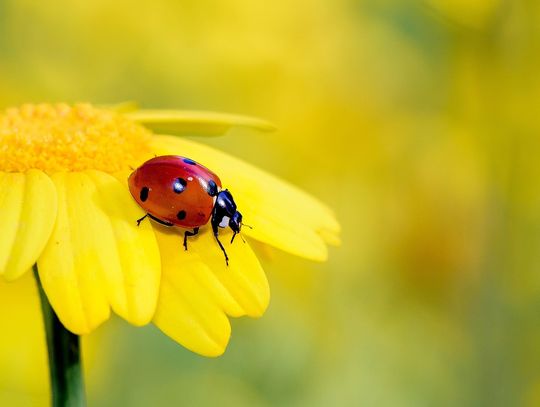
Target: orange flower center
[{"x": 60, "y": 137}]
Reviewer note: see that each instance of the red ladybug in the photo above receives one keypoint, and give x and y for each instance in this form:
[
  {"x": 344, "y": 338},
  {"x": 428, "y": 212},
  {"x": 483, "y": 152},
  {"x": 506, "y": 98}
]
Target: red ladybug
[{"x": 177, "y": 191}]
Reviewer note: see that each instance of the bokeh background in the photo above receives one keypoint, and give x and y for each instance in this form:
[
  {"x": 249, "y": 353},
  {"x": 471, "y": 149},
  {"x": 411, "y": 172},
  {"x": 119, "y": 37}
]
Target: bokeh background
[{"x": 417, "y": 121}]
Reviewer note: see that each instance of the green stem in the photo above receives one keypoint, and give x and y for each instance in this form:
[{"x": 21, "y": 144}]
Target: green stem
[{"x": 67, "y": 387}]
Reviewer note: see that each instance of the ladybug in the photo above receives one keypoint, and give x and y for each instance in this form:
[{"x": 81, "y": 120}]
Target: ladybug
[{"x": 177, "y": 191}]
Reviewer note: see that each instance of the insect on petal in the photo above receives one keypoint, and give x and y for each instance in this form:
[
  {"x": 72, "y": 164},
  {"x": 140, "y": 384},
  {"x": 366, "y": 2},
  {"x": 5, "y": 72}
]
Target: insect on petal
[{"x": 281, "y": 214}]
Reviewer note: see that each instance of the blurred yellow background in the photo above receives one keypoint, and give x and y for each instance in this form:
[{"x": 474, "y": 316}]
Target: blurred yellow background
[{"x": 417, "y": 121}]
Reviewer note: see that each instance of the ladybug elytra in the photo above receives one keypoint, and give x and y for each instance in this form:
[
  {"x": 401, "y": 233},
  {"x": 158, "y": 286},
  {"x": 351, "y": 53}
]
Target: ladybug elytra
[{"x": 177, "y": 191}]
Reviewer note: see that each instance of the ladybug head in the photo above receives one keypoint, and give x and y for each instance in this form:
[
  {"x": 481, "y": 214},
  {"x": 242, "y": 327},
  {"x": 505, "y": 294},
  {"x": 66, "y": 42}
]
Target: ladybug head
[
  {"x": 226, "y": 212},
  {"x": 235, "y": 223}
]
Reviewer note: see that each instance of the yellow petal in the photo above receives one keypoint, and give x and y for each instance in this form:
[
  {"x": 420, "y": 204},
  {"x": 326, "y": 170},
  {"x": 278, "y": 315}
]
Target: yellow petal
[
  {"x": 198, "y": 289},
  {"x": 194, "y": 122},
  {"x": 27, "y": 215},
  {"x": 331, "y": 237},
  {"x": 86, "y": 267},
  {"x": 133, "y": 292},
  {"x": 79, "y": 250},
  {"x": 281, "y": 214},
  {"x": 11, "y": 202}
]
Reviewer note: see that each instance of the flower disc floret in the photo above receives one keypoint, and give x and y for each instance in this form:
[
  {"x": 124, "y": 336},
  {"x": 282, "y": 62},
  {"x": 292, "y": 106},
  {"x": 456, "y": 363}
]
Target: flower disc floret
[{"x": 61, "y": 137}]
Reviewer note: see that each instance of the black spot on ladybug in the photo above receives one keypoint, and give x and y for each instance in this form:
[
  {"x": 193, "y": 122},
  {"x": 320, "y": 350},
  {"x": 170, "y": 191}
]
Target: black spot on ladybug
[
  {"x": 179, "y": 185},
  {"x": 189, "y": 161},
  {"x": 144, "y": 193},
  {"x": 211, "y": 188},
  {"x": 181, "y": 215}
]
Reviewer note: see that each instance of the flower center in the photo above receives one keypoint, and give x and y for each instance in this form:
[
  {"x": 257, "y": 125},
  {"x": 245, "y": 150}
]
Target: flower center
[{"x": 60, "y": 137}]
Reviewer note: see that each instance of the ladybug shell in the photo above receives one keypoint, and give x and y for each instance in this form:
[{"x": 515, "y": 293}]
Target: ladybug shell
[{"x": 175, "y": 189}]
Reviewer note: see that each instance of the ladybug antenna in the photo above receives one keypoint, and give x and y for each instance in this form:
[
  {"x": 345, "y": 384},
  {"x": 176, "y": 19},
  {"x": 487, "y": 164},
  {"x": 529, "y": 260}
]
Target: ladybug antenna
[
  {"x": 251, "y": 227},
  {"x": 241, "y": 237}
]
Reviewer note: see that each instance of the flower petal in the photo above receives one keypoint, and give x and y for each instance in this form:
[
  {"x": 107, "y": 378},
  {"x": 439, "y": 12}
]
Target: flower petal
[
  {"x": 330, "y": 237},
  {"x": 194, "y": 122},
  {"x": 79, "y": 250},
  {"x": 281, "y": 214},
  {"x": 134, "y": 292},
  {"x": 27, "y": 215},
  {"x": 86, "y": 265},
  {"x": 11, "y": 201},
  {"x": 198, "y": 289}
]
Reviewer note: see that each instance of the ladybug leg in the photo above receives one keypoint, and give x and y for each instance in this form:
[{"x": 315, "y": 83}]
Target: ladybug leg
[
  {"x": 162, "y": 222},
  {"x": 215, "y": 229},
  {"x": 188, "y": 233},
  {"x": 222, "y": 249},
  {"x": 140, "y": 220}
]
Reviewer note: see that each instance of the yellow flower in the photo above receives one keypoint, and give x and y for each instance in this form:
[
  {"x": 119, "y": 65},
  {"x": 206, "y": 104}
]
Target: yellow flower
[{"x": 64, "y": 204}]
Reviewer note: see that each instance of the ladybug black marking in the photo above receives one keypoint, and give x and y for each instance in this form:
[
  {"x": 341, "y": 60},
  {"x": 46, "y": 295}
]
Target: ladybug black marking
[
  {"x": 211, "y": 188},
  {"x": 181, "y": 215},
  {"x": 144, "y": 193},
  {"x": 189, "y": 161},
  {"x": 179, "y": 185}
]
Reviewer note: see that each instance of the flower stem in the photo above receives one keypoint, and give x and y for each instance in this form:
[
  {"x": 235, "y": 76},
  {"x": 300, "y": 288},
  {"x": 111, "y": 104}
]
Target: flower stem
[{"x": 67, "y": 387}]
